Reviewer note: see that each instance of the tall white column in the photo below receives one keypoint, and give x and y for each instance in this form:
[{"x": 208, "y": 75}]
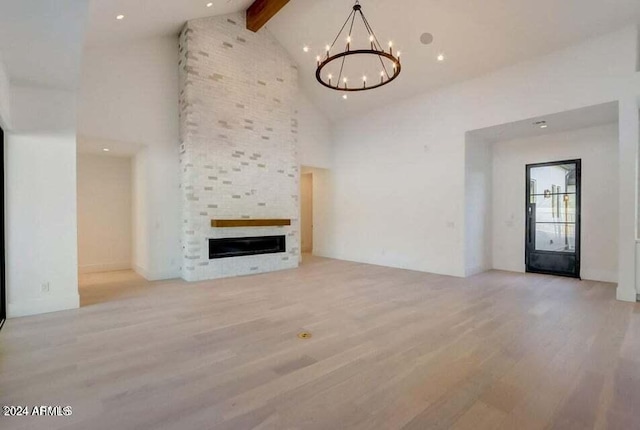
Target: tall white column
[{"x": 628, "y": 189}]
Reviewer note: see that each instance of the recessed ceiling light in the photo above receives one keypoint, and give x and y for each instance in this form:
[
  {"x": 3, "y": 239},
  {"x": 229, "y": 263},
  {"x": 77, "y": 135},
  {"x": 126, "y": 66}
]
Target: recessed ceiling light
[
  {"x": 440, "y": 57},
  {"x": 544, "y": 126},
  {"x": 344, "y": 96},
  {"x": 209, "y": 4},
  {"x": 426, "y": 38},
  {"x": 541, "y": 124},
  {"x": 120, "y": 17},
  {"x": 106, "y": 149},
  {"x": 305, "y": 49}
]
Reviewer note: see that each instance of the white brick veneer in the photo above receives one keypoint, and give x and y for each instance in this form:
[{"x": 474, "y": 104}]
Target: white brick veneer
[{"x": 238, "y": 143}]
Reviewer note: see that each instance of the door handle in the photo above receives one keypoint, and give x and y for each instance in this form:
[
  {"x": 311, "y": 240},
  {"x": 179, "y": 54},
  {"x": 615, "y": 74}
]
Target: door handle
[{"x": 530, "y": 224}]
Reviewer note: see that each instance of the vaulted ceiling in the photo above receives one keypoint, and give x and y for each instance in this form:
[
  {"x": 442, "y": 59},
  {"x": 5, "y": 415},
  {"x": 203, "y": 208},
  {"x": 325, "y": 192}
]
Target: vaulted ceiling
[
  {"x": 476, "y": 37},
  {"x": 41, "y": 41},
  {"x": 148, "y": 18}
]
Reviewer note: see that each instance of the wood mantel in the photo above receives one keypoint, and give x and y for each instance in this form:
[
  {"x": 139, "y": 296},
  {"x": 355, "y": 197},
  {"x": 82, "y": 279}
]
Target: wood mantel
[{"x": 250, "y": 222}]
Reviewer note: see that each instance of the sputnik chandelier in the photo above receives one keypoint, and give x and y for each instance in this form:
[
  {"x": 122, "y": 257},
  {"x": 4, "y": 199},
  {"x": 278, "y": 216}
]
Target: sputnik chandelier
[{"x": 370, "y": 65}]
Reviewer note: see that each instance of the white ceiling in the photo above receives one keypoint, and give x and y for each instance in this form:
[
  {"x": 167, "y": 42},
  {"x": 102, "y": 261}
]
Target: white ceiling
[
  {"x": 148, "y": 18},
  {"x": 41, "y": 41},
  {"x": 476, "y": 36},
  {"x": 97, "y": 146}
]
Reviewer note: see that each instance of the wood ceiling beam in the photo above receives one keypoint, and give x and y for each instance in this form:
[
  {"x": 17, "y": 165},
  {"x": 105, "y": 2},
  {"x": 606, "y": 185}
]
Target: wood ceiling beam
[{"x": 261, "y": 11}]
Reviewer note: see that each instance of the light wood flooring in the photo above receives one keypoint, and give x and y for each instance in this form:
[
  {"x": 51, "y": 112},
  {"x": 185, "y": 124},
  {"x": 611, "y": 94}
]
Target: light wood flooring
[{"x": 391, "y": 349}]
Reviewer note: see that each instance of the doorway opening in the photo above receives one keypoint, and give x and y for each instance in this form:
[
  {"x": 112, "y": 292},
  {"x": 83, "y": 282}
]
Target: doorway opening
[
  {"x": 105, "y": 230},
  {"x": 315, "y": 212},
  {"x": 306, "y": 212},
  {"x": 553, "y": 196},
  {"x": 498, "y": 195}
]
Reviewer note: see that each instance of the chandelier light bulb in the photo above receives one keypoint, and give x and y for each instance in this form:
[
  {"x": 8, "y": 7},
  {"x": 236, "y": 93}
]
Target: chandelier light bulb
[
  {"x": 371, "y": 38},
  {"x": 329, "y": 76},
  {"x": 327, "y": 48},
  {"x": 348, "y": 39},
  {"x": 398, "y": 54},
  {"x": 318, "y": 58},
  {"x": 305, "y": 49},
  {"x": 390, "y": 44},
  {"x": 344, "y": 80}
]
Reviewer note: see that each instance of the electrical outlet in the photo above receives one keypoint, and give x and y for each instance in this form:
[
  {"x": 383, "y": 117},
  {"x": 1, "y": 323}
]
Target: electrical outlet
[{"x": 45, "y": 287}]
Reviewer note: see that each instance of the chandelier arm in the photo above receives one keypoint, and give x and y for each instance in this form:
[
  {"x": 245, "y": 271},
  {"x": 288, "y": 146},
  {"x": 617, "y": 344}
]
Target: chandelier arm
[
  {"x": 384, "y": 67},
  {"x": 343, "y": 26},
  {"x": 353, "y": 20},
  {"x": 340, "y": 75},
  {"x": 370, "y": 29},
  {"x": 372, "y": 33}
]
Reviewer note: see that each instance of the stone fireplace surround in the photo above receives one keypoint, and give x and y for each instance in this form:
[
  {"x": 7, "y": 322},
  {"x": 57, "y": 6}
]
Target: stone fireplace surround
[{"x": 238, "y": 144}]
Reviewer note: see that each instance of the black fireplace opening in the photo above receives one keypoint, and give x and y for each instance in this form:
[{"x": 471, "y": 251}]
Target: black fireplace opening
[{"x": 241, "y": 246}]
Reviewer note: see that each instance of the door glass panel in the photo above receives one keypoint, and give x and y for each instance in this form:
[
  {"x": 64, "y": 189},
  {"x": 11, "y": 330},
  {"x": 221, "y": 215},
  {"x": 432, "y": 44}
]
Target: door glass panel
[
  {"x": 553, "y": 191},
  {"x": 558, "y": 174},
  {"x": 555, "y": 237},
  {"x": 555, "y": 207}
]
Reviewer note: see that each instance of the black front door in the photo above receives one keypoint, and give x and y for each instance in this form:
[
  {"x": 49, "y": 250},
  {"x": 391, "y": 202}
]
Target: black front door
[{"x": 552, "y": 242}]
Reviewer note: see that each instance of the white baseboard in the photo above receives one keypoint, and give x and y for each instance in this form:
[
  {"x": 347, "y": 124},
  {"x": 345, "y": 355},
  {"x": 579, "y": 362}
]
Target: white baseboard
[
  {"x": 626, "y": 295},
  {"x": 43, "y": 305},
  {"x": 104, "y": 267},
  {"x": 470, "y": 271},
  {"x": 600, "y": 275},
  {"x": 156, "y": 276}
]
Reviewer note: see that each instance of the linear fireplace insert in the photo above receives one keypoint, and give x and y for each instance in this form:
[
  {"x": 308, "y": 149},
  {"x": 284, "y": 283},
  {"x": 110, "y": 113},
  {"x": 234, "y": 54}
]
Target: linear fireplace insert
[{"x": 241, "y": 246}]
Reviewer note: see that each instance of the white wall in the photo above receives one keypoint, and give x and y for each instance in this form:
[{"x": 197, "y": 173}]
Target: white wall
[
  {"x": 41, "y": 223},
  {"x": 479, "y": 207},
  {"x": 315, "y": 138},
  {"x": 5, "y": 97},
  {"x": 597, "y": 147},
  {"x": 139, "y": 216},
  {"x": 41, "y": 202},
  {"x": 406, "y": 162},
  {"x": 42, "y": 110},
  {"x": 41, "y": 56},
  {"x": 628, "y": 144},
  {"x": 104, "y": 213}
]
